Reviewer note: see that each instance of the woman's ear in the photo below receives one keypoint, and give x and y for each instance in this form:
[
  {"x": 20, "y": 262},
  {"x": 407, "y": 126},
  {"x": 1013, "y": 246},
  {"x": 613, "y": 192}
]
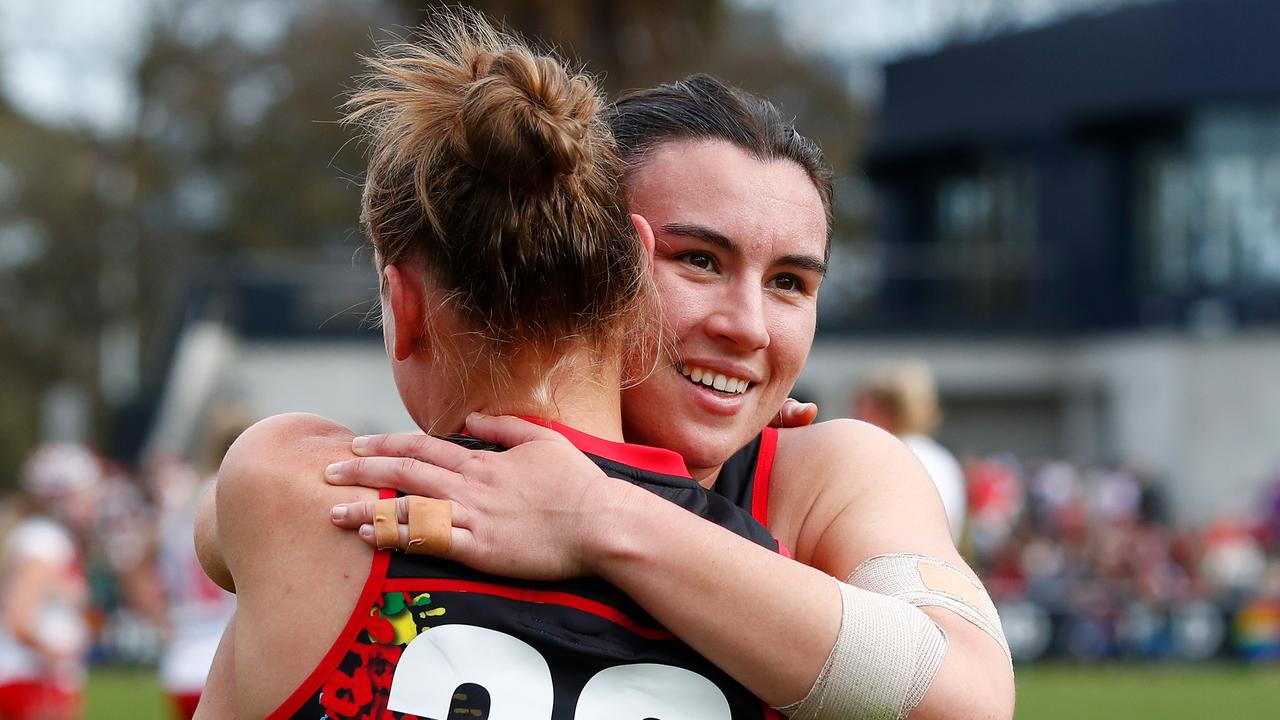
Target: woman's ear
[
  {"x": 406, "y": 299},
  {"x": 646, "y": 234}
]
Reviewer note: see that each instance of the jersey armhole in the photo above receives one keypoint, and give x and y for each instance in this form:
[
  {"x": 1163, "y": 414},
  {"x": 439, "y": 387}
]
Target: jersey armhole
[
  {"x": 760, "y": 481},
  {"x": 338, "y": 650}
]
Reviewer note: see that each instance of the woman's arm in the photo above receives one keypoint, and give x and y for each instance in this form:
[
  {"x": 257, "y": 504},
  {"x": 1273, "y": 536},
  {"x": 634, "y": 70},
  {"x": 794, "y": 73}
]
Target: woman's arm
[
  {"x": 29, "y": 587},
  {"x": 768, "y": 621},
  {"x": 845, "y": 492},
  {"x": 208, "y": 548},
  {"x": 270, "y": 475},
  {"x": 218, "y": 698}
]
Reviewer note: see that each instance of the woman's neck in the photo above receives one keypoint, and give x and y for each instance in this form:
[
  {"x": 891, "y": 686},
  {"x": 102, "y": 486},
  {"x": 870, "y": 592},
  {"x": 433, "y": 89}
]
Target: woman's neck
[
  {"x": 706, "y": 477},
  {"x": 583, "y": 395}
]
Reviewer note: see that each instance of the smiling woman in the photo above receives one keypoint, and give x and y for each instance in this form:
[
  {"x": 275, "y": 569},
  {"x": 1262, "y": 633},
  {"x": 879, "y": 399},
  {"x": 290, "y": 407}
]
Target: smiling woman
[{"x": 741, "y": 245}]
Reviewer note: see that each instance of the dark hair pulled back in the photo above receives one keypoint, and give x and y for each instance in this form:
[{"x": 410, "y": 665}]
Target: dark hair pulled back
[{"x": 701, "y": 107}]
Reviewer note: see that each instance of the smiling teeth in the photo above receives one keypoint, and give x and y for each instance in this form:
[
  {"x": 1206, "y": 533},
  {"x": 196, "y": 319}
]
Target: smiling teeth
[{"x": 723, "y": 383}]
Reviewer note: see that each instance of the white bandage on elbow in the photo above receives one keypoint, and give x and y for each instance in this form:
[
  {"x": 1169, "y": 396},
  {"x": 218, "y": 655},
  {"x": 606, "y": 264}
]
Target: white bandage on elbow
[
  {"x": 888, "y": 651},
  {"x": 922, "y": 580},
  {"x": 884, "y": 658}
]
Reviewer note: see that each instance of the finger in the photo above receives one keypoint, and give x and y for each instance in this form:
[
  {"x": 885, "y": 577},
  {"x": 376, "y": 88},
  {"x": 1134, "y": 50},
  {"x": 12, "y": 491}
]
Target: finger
[
  {"x": 797, "y": 414},
  {"x": 350, "y": 516},
  {"x": 404, "y": 474},
  {"x": 425, "y": 448},
  {"x": 459, "y": 540},
  {"x": 508, "y": 430}
]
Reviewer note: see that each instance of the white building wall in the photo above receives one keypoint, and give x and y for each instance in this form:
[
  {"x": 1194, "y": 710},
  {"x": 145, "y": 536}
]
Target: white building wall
[{"x": 348, "y": 381}]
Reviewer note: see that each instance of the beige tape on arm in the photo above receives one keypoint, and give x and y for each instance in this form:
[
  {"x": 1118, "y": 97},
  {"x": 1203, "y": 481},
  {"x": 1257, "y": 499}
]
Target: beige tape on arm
[
  {"x": 430, "y": 526},
  {"x": 922, "y": 580},
  {"x": 882, "y": 663}
]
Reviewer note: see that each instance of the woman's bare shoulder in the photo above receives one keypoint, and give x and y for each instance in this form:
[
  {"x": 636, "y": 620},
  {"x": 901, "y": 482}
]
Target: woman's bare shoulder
[
  {"x": 850, "y": 490},
  {"x": 281, "y": 444},
  {"x": 839, "y": 456},
  {"x": 272, "y": 478}
]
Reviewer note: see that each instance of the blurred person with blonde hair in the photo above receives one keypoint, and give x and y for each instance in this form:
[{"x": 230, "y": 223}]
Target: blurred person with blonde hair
[
  {"x": 902, "y": 398},
  {"x": 44, "y": 593}
]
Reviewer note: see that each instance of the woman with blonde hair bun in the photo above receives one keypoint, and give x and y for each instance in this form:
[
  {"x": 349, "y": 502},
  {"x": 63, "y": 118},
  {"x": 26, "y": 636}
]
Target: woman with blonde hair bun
[{"x": 512, "y": 281}]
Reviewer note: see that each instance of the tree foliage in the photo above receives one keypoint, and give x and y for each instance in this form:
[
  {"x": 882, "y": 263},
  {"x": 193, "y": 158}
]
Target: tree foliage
[{"x": 236, "y": 153}]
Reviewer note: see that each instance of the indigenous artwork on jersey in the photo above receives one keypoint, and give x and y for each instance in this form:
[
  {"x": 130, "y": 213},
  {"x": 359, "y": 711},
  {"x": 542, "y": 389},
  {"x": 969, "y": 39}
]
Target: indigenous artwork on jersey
[{"x": 361, "y": 686}]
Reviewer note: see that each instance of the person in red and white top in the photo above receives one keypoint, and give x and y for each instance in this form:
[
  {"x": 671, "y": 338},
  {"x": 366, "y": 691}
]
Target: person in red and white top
[{"x": 44, "y": 593}]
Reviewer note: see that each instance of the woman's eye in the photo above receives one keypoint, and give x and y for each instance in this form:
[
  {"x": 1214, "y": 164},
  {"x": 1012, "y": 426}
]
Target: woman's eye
[
  {"x": 788, "y": 283},
  {"x": 700, "y": 260}
]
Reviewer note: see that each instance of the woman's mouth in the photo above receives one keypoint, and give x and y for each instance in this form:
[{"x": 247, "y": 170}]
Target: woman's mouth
[{"x": 726, "y": 384}]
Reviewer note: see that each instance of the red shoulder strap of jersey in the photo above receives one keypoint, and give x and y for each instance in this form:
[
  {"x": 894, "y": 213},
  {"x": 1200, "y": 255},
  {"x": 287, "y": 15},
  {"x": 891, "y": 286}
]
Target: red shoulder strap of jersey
[{"x": 764, "y": 469}]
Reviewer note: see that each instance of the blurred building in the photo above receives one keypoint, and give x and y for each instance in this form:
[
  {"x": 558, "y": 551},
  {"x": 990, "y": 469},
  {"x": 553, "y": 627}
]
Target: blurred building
[
  {"x": 273, "y": 337},
  {"x": 1080, "y": 230}
]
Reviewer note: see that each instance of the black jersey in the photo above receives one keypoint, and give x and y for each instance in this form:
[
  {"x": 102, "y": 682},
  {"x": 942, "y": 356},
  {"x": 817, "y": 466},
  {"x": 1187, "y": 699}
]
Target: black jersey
[
  {"x": 744, "y": 478},
  {"x": 431, "y": 638}
]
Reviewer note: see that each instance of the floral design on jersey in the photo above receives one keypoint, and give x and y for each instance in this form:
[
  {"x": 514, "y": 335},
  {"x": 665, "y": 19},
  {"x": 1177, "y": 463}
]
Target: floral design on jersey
[{"x": 360, "y": 687}]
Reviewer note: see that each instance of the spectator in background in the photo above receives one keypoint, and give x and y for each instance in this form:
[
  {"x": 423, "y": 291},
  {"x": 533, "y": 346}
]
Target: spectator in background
[
  {"x": 903, "y": 399},
  {"x": 44, "y": 593},
  {"x": 198, "y": 610}
]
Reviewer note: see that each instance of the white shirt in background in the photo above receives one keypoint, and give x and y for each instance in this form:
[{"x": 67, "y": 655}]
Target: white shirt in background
[
  {"x": 947, "y": 475},
  {"x": 60, "y": 621}
]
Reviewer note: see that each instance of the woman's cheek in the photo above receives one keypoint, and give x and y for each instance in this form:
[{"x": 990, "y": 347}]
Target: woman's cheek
[{"x": 793, "y": 339}]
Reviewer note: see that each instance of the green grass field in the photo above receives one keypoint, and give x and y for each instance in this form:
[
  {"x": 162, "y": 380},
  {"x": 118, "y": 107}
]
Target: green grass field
[
  {"x": 1133, "y": 692},
  {"x": 1045, "y": 692}
]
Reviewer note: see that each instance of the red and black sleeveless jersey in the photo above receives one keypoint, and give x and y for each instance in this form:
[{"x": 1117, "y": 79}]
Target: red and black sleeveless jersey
[
  {"x": 430, "y": 638},
  {"x": 744, "y": 478}
]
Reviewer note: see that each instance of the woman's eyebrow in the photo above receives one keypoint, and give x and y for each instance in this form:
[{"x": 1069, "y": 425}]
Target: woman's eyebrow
[
  {"x": 804, "y": 262},
  {"x": 703, "y": 233},
  {"x": 713, "y": 237}
]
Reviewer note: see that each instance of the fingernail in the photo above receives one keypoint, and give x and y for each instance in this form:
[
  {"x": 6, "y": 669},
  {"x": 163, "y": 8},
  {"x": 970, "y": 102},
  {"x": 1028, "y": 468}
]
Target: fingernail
[
  {"x": 360, "y": 444},
  {"x": 366, "y": 531},
  {"x": 334, "y": 471},
  {"x": 475, "y": 416},
  {"x": 339, "y": 512}
]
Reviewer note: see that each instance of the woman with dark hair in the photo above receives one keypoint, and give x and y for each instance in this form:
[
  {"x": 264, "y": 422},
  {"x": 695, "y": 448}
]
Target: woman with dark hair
[
  {"x": 492, "y": 179},
  {"x": 879, "y": 617}
]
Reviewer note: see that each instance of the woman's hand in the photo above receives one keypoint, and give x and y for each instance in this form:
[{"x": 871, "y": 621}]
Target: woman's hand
[{"x": 539, "y": 510}]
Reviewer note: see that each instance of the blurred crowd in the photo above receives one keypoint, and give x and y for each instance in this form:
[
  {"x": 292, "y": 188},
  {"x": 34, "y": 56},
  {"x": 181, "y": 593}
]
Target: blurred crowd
[
  {"x": 98, "y": 566},
  {"x": 1085, "y": 564}
]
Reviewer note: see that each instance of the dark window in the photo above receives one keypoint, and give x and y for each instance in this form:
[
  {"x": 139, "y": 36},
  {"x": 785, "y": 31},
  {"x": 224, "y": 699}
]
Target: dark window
[
  {"x": 985, "y": 237},
  {"x": 1209, "y": 204}
]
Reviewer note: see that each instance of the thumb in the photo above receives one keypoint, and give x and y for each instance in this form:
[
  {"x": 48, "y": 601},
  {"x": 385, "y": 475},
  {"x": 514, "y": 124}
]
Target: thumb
[{"x": 507, "y": 430}]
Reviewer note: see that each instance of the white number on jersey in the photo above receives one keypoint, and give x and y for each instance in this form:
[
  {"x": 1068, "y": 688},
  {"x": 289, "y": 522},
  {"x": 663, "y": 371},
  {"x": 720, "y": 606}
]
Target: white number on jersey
[{"x": 518, "y": 681}]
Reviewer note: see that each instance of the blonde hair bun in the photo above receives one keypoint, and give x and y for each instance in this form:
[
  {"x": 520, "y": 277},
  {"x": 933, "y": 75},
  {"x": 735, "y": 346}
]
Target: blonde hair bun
[{"x": 524, "y": 119}]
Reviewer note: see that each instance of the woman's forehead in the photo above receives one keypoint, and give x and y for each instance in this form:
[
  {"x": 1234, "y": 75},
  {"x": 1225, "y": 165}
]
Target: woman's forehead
[{"x": 714, "y": 185}]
